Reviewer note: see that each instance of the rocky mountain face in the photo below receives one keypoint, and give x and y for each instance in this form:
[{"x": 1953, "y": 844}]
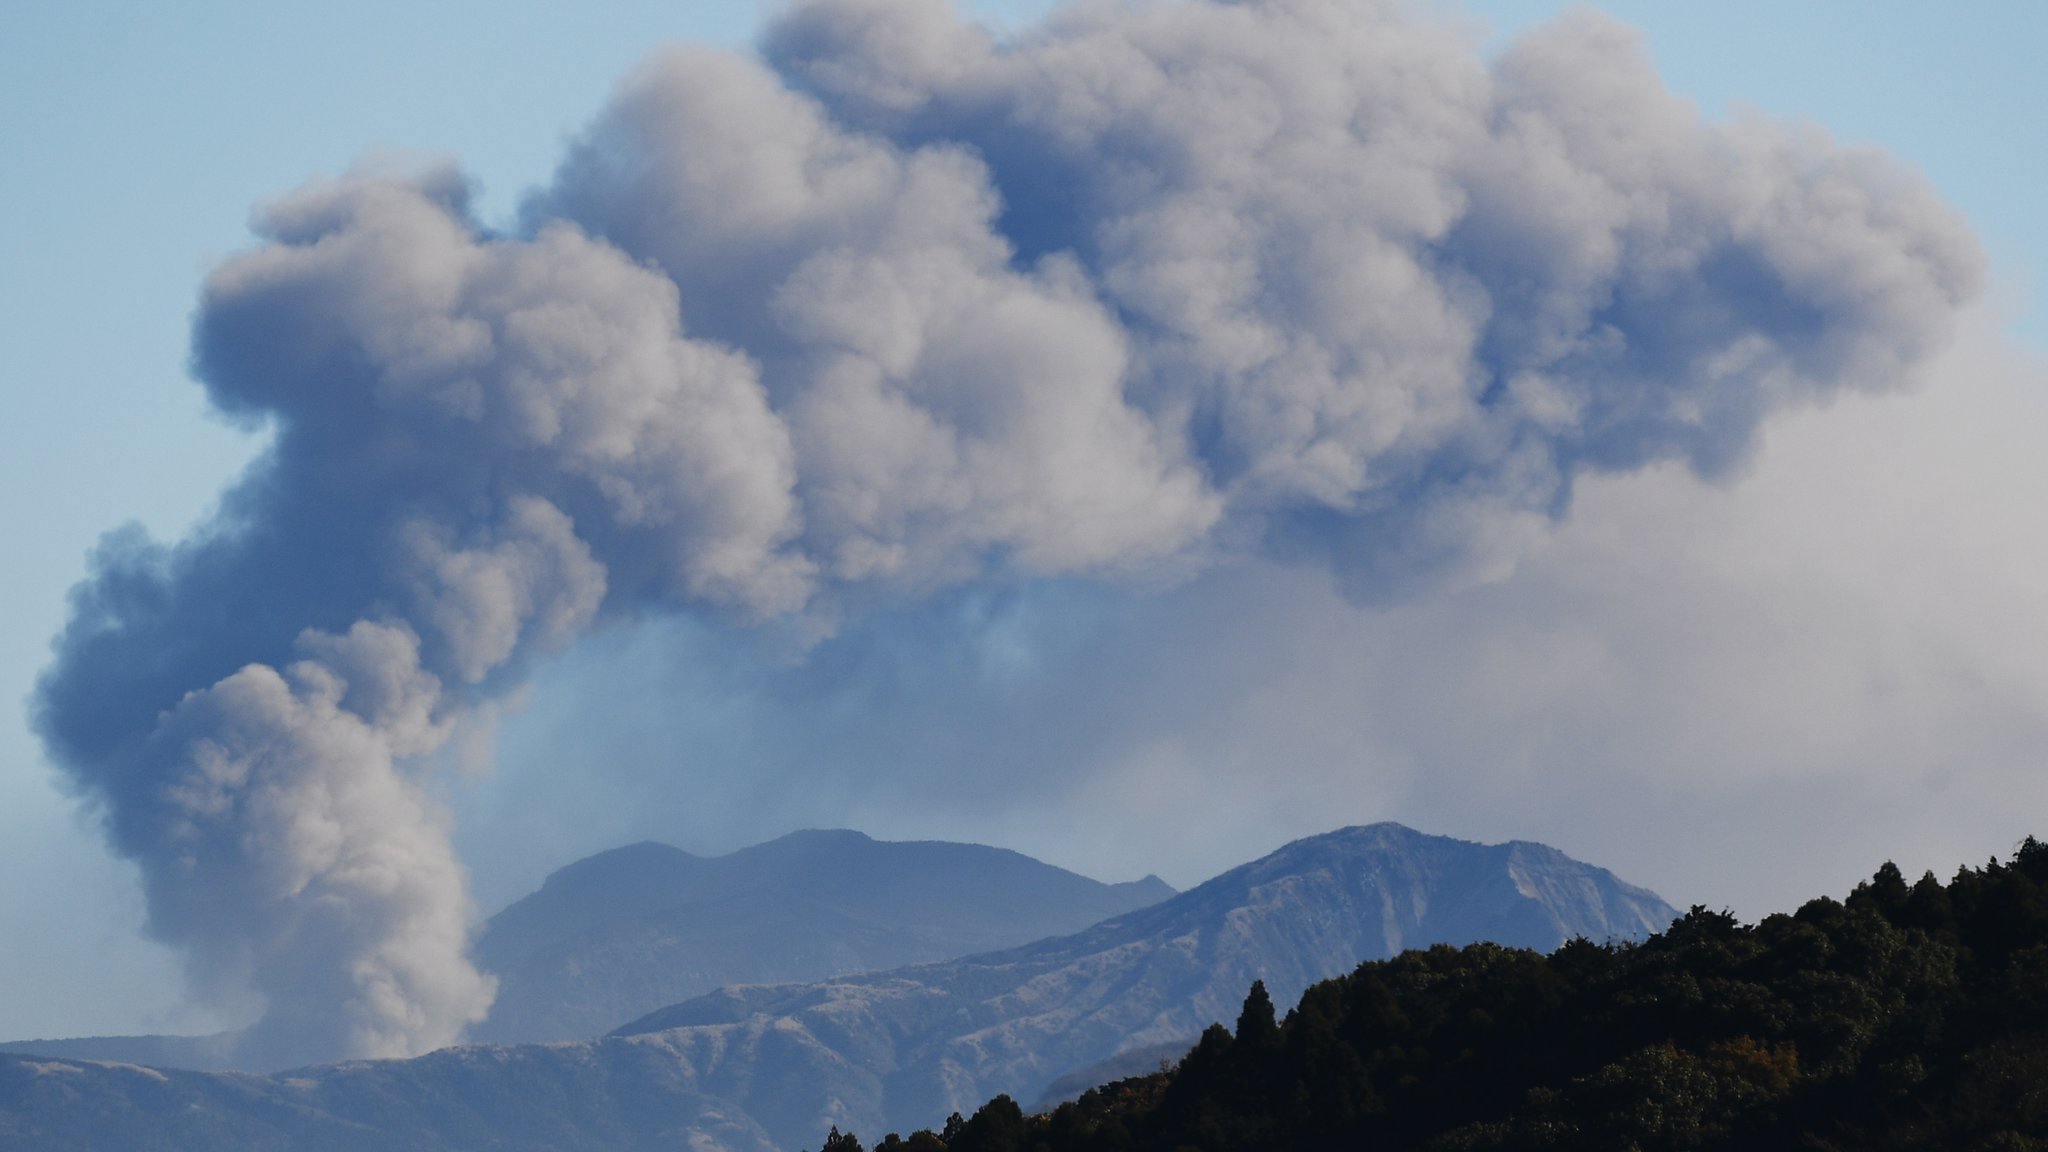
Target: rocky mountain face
[
  {"x": 533, "y": 1098},
  {"x": 219, "y": 1052},
  {"x": 902, "y": 1049},
  {"x": 614, "y": 936},
  {"x": 758, "y": 1067}
]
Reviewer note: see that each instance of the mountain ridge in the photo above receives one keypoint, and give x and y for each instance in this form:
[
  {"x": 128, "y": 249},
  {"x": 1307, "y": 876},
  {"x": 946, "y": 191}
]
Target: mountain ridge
[
  {"x": 772, "y": 1066},
  {"x": 1904, "y": 1017},
  {"x": 1018, "y": 1019},
  {"x": 613, "y": 935},
  {"x": 616, "y": 934}
]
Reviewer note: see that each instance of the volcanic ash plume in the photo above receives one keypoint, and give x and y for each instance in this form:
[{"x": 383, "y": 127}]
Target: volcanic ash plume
[{"x": 898, "y": 307}]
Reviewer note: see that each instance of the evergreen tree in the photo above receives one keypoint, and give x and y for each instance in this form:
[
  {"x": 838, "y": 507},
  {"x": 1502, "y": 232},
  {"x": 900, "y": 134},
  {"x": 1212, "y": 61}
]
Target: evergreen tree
[
  {"x": 1904, "y": 1018},
  {"x": 836, "y": 1141}
]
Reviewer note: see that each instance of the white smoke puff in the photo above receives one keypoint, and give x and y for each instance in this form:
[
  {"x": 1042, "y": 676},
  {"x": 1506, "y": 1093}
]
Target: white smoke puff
[
  {"x": 1599, "y": 186},
  {"x": 534, "y": 581},
  {"x": 1372, "y": 274},
  {"x": 950, "y": 412},
  {"x": 443, "y": 400},
  {"x": 896, "y": 54},
  {"x": 291, "y": 852},
  {"x": 1254, "y": 185},
  {"x": 553, "y": 366},
  {"x": 945, "y": 404}
]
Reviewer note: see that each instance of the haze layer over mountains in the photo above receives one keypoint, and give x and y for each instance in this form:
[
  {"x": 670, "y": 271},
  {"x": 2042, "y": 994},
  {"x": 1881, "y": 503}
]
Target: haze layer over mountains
[
  {"x": 770, "y": 1066},
  {"x": 625, "y": 932}
]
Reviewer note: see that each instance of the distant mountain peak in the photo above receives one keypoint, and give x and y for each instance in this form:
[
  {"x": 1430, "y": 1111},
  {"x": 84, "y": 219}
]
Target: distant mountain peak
[
  {"x": 944, "y": 1036},
  {"x": 623, "y": 932},
  {"x": 767, "y": 1067},
  {"x": 822, "y": 836}
]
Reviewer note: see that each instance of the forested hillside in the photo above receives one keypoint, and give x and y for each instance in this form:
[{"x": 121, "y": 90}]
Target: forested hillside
[{"x": 1904, "y": 1017}]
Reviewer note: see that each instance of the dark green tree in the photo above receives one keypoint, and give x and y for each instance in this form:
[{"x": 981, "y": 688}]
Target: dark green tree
[
  {"x": 837, "y": 1141},
  {"x": 1905, "y": 1018},
  {"x": 997, "y": 1127}
]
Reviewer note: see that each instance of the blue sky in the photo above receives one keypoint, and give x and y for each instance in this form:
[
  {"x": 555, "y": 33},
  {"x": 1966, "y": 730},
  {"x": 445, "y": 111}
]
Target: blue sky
[{"x": 138, "y": 136}]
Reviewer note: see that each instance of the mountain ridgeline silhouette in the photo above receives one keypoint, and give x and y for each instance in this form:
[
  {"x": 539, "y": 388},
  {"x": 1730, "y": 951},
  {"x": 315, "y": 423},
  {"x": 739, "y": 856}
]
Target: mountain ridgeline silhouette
[
  {"x": 761, "y": 1067},
  {"x": 622, "y": 933},
  {"x": 932, "y": 1039},
  {"x": 1906, "y": 1017}
]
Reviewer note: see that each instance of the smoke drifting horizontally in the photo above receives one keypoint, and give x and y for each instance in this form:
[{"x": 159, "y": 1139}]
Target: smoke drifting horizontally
[{"x": 894, "y": 308}]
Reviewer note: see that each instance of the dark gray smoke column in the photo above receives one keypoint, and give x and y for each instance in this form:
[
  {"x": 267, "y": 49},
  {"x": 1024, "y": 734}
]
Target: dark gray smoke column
[{"x": 899, "y": 309}]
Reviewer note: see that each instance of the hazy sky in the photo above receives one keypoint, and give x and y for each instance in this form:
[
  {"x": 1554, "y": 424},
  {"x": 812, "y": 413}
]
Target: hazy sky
[{"x": 1738, "y": 694}]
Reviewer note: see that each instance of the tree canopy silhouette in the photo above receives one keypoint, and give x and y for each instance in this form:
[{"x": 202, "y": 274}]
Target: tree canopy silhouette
[{"x": 1907, "y": 1016}]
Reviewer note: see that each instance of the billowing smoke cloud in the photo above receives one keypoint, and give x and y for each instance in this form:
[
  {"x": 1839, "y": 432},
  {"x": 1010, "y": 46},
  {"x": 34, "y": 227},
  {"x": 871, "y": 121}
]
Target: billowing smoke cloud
[{"x": 896, "y": 309}]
